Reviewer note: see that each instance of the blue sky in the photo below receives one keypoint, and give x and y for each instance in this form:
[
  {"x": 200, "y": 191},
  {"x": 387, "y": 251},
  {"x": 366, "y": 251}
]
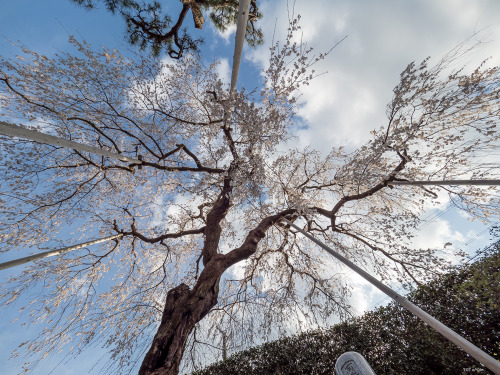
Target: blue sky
[
  {"x": 339, "y": 108},
  {"x": 45, "y": 27}
]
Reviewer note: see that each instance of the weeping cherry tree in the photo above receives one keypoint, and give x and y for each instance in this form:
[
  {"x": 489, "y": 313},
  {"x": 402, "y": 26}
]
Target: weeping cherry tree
[{"x": 203, "y": 262}]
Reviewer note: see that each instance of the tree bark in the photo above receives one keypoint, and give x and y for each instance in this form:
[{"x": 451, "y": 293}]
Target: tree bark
[
  {"x": 196, "y": 10},
  {"x": 183, "y": 309}
]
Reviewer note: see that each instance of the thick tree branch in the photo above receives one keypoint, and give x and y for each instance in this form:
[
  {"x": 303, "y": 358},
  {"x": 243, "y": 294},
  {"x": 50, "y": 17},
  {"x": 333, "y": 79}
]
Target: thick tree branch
[
  {"x": 151, "y": 30},
  {"x": 6, "y": 81},
  {"x": 134, "y": 233},
  {"x": 332, "y": 214},
  {"x": 179, "y": 169},
  {"x": 164, "y": 113},
  {"x": 253, "y": 238},
  {"x": 214, "y": 217}
]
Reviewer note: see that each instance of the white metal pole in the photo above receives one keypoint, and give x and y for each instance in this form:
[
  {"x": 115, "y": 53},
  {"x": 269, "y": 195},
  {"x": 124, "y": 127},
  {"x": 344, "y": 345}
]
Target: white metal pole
[
  {"x": 447, "y": 182},
  {"x": 239, "y": 40},
  {"x": 16, "y": 131},
  {"x": 451, "y": 335},
  {"x": 241, "y": 28},
  {"x": 50, "y": 253}
]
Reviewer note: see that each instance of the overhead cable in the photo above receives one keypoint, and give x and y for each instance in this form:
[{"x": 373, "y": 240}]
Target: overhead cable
[{"x": 448, "y": 333}]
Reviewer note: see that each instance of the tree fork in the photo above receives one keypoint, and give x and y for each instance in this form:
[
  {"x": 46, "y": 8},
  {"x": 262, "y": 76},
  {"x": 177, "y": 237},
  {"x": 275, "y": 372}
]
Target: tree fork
[{"x": 185, "y": 307}]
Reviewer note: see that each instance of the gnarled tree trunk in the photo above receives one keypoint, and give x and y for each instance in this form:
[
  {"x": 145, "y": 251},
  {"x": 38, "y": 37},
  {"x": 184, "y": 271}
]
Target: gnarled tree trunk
[{"x": 185, "y": 307}]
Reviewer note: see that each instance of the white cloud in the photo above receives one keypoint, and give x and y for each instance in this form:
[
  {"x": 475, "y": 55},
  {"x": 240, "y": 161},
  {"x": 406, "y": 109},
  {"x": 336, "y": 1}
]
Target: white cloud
[
  {"x": 465, "y": 215},
  {"x": 383, "y": 37},
  {"x": 228, "y": 33},
  {"x": 364, "y": 296},
  {"x": 224, "y": 70},
  {"x": 436, "y": 235},
  {"x": 341, "y": 107},
  {"x": 237, "y": 272}
]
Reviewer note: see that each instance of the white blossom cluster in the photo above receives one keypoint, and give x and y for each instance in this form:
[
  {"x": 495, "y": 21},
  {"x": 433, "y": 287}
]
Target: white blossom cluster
[{"x": 201, "y": 146}]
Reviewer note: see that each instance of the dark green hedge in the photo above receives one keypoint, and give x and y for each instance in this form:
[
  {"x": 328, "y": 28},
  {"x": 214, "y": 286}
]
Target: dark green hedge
[{"x": 390, "y": 338}]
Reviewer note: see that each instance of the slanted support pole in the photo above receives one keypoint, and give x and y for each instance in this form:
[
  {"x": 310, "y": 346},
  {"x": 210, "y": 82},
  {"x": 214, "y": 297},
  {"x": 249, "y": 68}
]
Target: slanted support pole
[
  {"x": 447, "y": 182},
  {"x": 50, "y": 253},
  {"x": 451, "y": 335},
  {"x": 33, "y": 135}
]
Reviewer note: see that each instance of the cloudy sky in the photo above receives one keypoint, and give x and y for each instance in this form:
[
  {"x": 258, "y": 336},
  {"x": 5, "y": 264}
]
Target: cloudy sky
[{"x": 339, "y": 108}]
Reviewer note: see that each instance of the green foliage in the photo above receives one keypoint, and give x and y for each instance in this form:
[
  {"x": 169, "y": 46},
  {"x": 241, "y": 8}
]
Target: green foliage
[
  {"x": 148, "y": 24},
  {"x": 391, "y": 338},
  {"x": 224, "y": 13}
]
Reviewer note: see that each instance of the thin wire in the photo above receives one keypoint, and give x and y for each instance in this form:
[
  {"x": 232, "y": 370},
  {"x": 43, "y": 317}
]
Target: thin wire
[
  {"x": 451, "y": 335},
  {"x": 400, "y": 289}
]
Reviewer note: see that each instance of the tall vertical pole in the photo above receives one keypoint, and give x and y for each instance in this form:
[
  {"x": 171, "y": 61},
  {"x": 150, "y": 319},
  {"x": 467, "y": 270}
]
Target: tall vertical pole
[
  {"x": 241, "y": 28},
  {"x": 451, "y": 335}
]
